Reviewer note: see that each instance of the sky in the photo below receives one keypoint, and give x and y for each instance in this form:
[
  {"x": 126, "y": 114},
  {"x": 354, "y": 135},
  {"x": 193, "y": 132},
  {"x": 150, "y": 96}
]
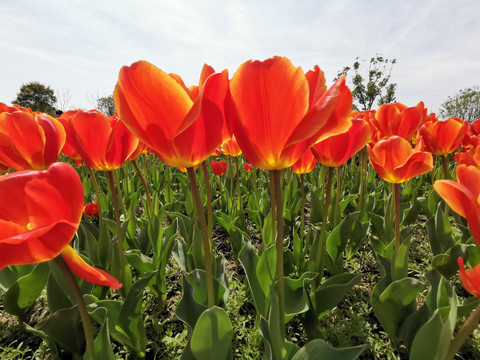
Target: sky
[{"x": 77, "y": 47}]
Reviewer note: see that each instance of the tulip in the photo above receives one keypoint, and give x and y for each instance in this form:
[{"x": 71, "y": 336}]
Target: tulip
[
  {"x": 443, "y": 137},
  {"x": 91, "y": 210},
  {"x": 219, "y": 167},
  {"x": 69, "y": 147},
  {"x": 231, "y": 148},
  {"x": 104, "y": 143},
  {"x": 395, "y": 160},
  {"x": 305, "y": 164},
  {"x": 247, "y": 167},
  {"x": 182, "y": 128},
  {"x": 398, "y": 119},
  {"x": 463, "y": 196},
  {"x": 280, "y": 112},
  {"x": 30, "y": 141}
]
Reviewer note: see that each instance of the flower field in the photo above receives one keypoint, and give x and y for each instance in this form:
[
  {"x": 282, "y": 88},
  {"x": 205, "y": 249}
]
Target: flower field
[{"x": 251, "y": 216}]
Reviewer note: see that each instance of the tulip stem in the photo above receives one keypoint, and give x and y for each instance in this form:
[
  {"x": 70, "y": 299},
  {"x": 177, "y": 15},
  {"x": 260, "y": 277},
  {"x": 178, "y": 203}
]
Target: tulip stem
[
  {"x": 144, "y": 182},
  {"x": 336, "y": 217},
  {"x": 239, "y": 190},
  {"x": 97, "y": 195},
  {"x": 205, "y": 237},
  {"x": 446, "y": 177},
  {"x": 470, "y": 324},
  {"x": 119, "y": 196},
  {"x": 124, "y": 267},
  {"x": 363, "y": 164},
  {"x": 231, "y": 175},
  {"x": 302, "y": 208},
  {"x": 319, "y": 261},
  {"x": 279, "y": 248},
  {"x": 209, "y": 202},
  {"x": 396, "y": 192},
  {"x": 273, "y": 206},
  {"x": 82, "y": 307}
]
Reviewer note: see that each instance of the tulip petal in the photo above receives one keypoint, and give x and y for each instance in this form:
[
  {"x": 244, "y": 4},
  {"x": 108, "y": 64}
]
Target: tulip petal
[
  {"x": 86, "y": 272},
  {"x": 470, "y": 279}
]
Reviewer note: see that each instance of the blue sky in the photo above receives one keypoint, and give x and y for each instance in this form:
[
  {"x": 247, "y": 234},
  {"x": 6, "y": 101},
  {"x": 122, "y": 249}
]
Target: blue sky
[{"x": 77, "y": 47}]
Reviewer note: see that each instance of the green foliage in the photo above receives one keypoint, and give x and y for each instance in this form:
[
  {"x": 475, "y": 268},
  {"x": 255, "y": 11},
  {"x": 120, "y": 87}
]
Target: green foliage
[
  {"x": 37, "y": 97},
  {"x": 375, "y": 85},
  {"x": 464, "y": 105}
]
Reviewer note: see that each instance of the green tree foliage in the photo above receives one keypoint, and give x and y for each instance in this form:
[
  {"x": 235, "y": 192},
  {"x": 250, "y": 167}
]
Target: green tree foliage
[
  {"x": 464, "y": 105},
  {"x": 37, "y": 97},
  {"x": 375, "y": 85},
  {"x": 103, "y": 104}
]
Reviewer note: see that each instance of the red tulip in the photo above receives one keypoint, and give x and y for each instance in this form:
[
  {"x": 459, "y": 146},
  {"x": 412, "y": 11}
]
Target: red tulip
[
  {"x": 182, "y": 128},
  {"x": 279, "y": 112},
  {"x": 69, "y": 147},
  {"x": 463, "y": 196},
  {"x": 443, "y": 137},
  {"x": 91, "y": 209},
  {"x": 30, "y": 141},
  {"x": 219, "y": 167},
  {"x": 336, "y": 150},
  {"x": 39, "y": 215},
  {"x": 397, "y": 119},
  {"x": 470, "y": 278},
  {"x": 104, "y": 143},
  {"x": 231, "y": 148},
  {"x": 306, "y": 163},
  {"x": 247, "y": 167},
  {"x": 395, "y": 160}
]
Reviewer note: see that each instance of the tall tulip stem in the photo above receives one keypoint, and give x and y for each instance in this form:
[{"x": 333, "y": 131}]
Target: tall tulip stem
[
  {"x": 273, "y": 205},
  {"x": 205, "y": 237},
  {"x": 82, "y": 307},
  {"x": 302, "y": 208},
  {"x": 396, "y": 192},
  {"x": 209, "y": 201},
  {"x": 121, "y": 205},
  {"x": 97, "y": 195},
  {"x": 336, "y": 217},
  {"x": 319, "y": 261},
  {"x": 470, "y": 324},
  {"x": 125, "y": 274},
  {"x": 144, "y": 183},
  {"x": 279, "y": 247},
  {"x": 445, "y": 176},
  {"x": 239, "y": 190}
]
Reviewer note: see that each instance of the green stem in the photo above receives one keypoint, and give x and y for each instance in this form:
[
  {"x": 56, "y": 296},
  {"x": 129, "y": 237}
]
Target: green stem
[
  {"x": 82, "y": 307},
  {"x": 97, "y": 194},
  {"x": 470, "y": 324},
  {"x": 239, "y": 190},
  {"x": 231, "y": 175},
  {"x": 145, "y": 186},
  {"x": 302, "y": 208},
  {"x": 319, "y": 261},
  {"x": 209, "y": 202},
  {"x": 273, "y": 205},
  {"x": 336, "y": 217},
  {"x": 125, "y": 274},
  {"x": 445, "y": 176},
  {"x": 119, "y": 196},
  {"x": 396, "y": 191},
  {"x": 363, "y": 163},
  {"x": 205, "y": 237},
  {"x": 279, "y": 248}
]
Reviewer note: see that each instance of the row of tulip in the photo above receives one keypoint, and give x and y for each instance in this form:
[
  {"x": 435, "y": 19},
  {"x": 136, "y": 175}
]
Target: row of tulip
[{"x": 278, "y": 117}]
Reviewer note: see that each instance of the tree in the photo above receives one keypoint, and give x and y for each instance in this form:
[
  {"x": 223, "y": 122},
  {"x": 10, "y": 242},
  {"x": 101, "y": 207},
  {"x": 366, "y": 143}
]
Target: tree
[
  {"x": 63, "y": 99},
  {"x": 103, "y": 104},
  {"x": 374, "y": 86},
  {"x": 464, "y": 105},
  {"x": 37, "y": 97}
]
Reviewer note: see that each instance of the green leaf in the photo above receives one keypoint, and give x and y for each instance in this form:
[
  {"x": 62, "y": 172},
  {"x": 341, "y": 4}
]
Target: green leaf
[
  {"x": 22, "y": 295},
  {"x": 130, "y": 320},
  {"x": 212, "y": 335},
  {"x": 266, "y": 269},
  {"x": 319, "y": 349},
  {"x": 102, "y": 344},
  {"x": 439, "y": 232},
  {"x": 296, "y": 299}
]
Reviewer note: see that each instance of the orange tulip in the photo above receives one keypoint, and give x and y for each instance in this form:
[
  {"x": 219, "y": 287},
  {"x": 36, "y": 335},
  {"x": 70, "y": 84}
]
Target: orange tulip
[
  {"x": 398, "y": 119},
  {"x": 103, "y": 142},
  {"x": 443, "y": 137},
  {"x": 279, "y": 112},
  {"x": 247, "y": 167},
  {"x": 69, "y": 147},
  {"x": 183, "y": 128},
  {"x": 470, "y": 278},
  {"x": 463, "y": 196},
  {"x": 395, "y": 160},
  {"x": 30, "y": 141},
  {"x": 231, "y": 148},
  {"x": 306, "y": 163},
  {"x": 336, "y": 150},
  {"x": 39, "y": 215},
  {"x": 219, "y": 167}
]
